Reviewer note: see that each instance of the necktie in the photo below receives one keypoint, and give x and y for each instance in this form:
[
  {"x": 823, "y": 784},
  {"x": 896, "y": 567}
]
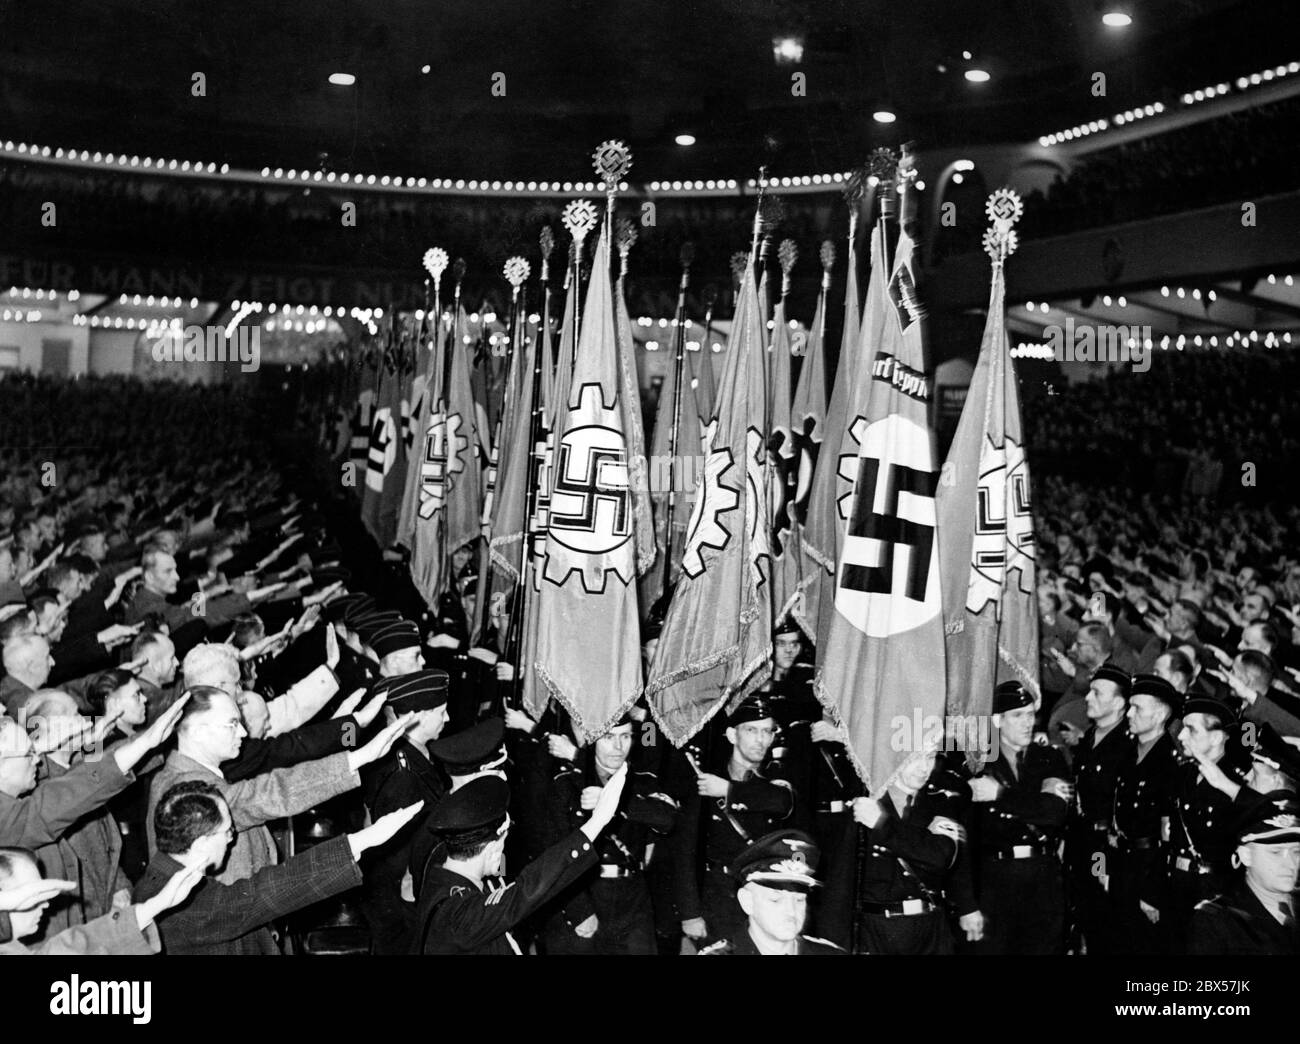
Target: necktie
[{"x": 1288, "y": 919}]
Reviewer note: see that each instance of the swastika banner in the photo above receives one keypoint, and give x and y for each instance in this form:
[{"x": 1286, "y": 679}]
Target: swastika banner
[
  {"x": 588, "y": 638},
  {"x": 882, "y": 661},
  {"x": 990, "y": 599},
  {"x": 716, "y": 638}
]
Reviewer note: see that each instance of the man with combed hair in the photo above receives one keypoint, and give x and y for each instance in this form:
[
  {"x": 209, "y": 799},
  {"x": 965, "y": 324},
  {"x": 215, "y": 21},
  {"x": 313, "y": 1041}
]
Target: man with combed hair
[
  {"x": 195, "y": 832},
  {"x": 27, "y": 664},
  {"x": 161, "y": 580},
  {"x": 217, "y": 664},
  {"x": 212, "y": 732},
  {"x": 25, "y": 895},
  {"x": 157, "y": 674}
]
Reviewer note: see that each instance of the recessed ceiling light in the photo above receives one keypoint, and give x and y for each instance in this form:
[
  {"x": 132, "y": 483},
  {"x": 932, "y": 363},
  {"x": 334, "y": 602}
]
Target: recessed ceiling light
[
  {"x": 977, "y": 75},
  {"x": 787, "y": 49},
  {"x": 685, "y": 139},
  {"x": 966, "y": 55},
  {"x": 426, "y": 69},
  {"x": 883, "y": 116},
  {"x": 1117, "y": 19},
  {"x": 342, "y": 79}
]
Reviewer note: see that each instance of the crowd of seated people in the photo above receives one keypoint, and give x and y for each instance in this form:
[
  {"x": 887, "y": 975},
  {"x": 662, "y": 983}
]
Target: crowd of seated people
[
  {"x": 1251, "y": 151},
  {"x": 1164, "y": 429}
]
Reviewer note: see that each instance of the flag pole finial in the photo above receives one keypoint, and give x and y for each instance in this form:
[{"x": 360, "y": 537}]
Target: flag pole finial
[
  {"x": 827, "y": 254},
  {"x": 611, "y": 161},
  {"x": 516, "y": 270},
  {"x": 787, "y": 253},
  {"x": 1004, "y": 209},
  {"x": 546, "y": 243},
  {"x": 625, "y": 234},
  {"x": 579, "y": 218}
]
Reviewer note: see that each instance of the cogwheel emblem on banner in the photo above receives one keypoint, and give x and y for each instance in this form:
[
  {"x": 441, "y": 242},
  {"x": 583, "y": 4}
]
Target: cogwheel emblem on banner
[
  {"x": 442, "y": 461},
  {"x": 589, "y": 523},
  {"x": 848, "y": 469},
  {"x": 706, "y": 528}
]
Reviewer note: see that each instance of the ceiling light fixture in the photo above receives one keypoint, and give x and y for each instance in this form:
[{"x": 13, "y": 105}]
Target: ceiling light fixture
[
  {"x": 342, "y": 79},
  {"x": 685, "y": 139},
  {"x": 883, "y": 116},
  {"x": 1117, "y": 19},
  {"x": 977, "y": 75},
  {"x": 787, "y": 50}
]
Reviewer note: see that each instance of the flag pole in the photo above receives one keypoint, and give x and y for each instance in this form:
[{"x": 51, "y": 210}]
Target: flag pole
[
  {"x": 660, "y": 609},
  {"x": 514, "y": 639}
]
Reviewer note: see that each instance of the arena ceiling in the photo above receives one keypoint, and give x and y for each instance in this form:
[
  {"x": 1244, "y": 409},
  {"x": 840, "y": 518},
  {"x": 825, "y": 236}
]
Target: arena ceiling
[{"x": 118, "y": 75}]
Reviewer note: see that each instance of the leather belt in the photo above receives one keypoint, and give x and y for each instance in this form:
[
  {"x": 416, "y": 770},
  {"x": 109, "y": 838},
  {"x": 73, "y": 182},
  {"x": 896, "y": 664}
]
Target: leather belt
[
  {"x": 907, "y": 908},
  {"x": 1021, "y": 852},
  {"x": 835, "y": 807},
  {"x": 612, "y": 870},
  {"x": 1191, "y": 865},
  {"x": 712, "y": 867}
]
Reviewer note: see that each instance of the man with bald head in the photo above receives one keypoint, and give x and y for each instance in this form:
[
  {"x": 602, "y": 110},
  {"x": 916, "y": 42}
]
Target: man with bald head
[{"x": 27, "y": 665}]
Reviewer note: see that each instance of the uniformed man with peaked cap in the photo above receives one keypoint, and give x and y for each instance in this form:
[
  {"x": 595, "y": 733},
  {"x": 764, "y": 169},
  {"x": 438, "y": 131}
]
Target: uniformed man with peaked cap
[
  {"x": 1257, "y": 913},
  {"x": 404, "y": 775},
  {"x": 774, "y": 877},
  {"x": 456, "y": 914}
]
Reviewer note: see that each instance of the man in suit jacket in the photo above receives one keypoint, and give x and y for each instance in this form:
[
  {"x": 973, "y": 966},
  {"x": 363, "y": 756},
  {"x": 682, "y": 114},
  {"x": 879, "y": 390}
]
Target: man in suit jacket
[
  {"x": 89, "y": 853},
  {"x": 212, "y": 732},
  {"x": 195, "y": 832},
  {"x": 24, "y": 896}
]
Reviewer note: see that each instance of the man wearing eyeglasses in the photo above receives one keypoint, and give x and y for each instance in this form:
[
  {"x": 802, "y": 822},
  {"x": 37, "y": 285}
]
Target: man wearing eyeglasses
[{"x": 211, "y": 732}]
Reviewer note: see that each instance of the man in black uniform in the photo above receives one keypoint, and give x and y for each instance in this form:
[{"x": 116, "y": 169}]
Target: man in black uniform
[
  {"x": 355, "y": 669},
  {"x": 1097, "y": 758},
  {"x": 1136, "y": 867},
  {"x": 403, "y": 776},
  {"x": 608, "y": 910},
  {"x": 741, "y": 795},
  {"x": 1021, "y": 800},
  {"x": 774, "y": 876},
  {"x": 914, "y": 833},
  {"x": 1201, "y": 840},
  {"x": 472, "y": 752},
  {"x": 1257, "y": 914},
  {"x": 455, "y": 915}
]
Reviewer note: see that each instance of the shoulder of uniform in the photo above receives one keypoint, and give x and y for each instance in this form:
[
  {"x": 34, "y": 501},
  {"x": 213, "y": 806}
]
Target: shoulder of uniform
[
  {"x": 824, "y": 944},
  {"x": 715, "y": 949}
]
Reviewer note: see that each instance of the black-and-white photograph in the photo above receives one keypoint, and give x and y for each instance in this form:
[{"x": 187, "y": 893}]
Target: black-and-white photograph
[{"x": 701, "y": 478}]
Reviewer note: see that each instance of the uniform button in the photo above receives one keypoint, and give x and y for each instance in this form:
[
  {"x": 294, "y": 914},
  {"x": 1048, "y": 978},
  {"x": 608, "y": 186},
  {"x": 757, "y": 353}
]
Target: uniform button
[
  {"x": 574, "y": 854},
  {"x": 586, "y": 846}
]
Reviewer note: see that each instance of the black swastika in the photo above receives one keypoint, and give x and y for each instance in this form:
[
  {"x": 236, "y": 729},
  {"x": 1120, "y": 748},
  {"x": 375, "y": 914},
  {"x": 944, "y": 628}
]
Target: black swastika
[
  {"x": 589, "y": 487},
  {"x": 890, "y": 530}
]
